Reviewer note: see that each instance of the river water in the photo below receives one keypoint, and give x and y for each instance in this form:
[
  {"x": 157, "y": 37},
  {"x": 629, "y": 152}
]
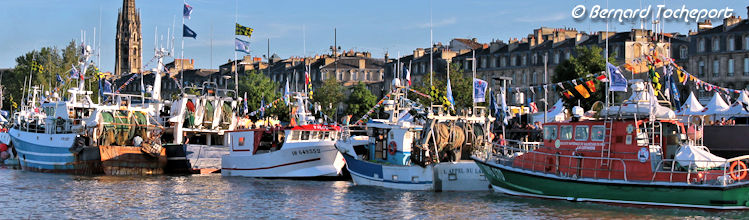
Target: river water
[{"x": 30, "y": 195}]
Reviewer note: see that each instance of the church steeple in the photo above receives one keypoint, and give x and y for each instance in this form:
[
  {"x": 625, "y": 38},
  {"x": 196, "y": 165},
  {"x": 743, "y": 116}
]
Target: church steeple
[{"x": 128, "y": 43}]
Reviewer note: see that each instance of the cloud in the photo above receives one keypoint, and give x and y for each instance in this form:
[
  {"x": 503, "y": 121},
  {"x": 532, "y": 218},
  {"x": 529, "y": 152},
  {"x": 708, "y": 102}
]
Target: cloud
[{"x": 537, "y": 19}]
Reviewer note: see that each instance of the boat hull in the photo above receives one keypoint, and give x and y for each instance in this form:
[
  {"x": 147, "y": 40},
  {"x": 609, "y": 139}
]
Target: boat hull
[
  {"x": 519, "y": 182},
  {"x": 125, "y": 160},
  {"x": 50, "y": 153},
  {"x": 321, "y": 160},
  {"x": 192, "y": 158},
  {"x": 447, "y": 176}
]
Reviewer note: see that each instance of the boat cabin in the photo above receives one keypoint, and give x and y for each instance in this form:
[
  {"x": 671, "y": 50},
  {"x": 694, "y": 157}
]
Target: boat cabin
[{"x": 271, "y": 139}]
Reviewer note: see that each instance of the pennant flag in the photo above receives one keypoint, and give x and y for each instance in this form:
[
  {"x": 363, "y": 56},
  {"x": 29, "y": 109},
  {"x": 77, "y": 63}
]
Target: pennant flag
[
  {"x": 583, "y": 92},
  {"x": 241, "y": 46},
  {"x": 242, "y": 30},
  {"x": 59, "y": 80},
  {"x": 504, "y": 110},
  {"x": 534, "y": 109},
  {"x": 479, "y": 90},
  {"x": 449, "y": 95},
  {"x": 408, "y": 75},
  {"x": 675, "y": 91},
  {"x": 286, "y": 93},
  {"x": 187, "y": 11},
  {"x": 567, "y": 94},
  {"x": 494, "y": 106},
  {"x": 602, "y": 78},
  {"x": 246, "y": 109},
  {"x": 682, "y": 76},
  {"x": 591, "y": 85},
  {"x": 618, "y": 82},
  {"x": 187, "y": 32},
  {"x": 73, "y": 72}
]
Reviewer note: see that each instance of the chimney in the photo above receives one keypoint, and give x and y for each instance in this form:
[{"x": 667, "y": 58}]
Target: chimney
[
  {"x": 329, "y": 60},
  {"x": 729, "y": 22},
  {"x": 705, "y": 25},
  {"x": 362, "y": 63}
]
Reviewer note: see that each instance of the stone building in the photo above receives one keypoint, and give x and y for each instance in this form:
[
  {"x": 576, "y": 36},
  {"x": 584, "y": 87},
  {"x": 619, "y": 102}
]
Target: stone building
[
  {"x": 418, "y": 62},
  {"x": 128, "y": 42},
  {"x": 720, "y": 55},
  {"x": 522, "y": 60}
]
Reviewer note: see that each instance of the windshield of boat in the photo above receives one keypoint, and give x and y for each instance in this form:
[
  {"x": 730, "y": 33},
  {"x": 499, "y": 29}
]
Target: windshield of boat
[{"x": 565, "y": 132}]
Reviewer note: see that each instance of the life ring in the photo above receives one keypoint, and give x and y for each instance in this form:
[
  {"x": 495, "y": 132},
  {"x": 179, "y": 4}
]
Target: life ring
[
  {"x": 391, "y": 147},
  {"x": 742, "y": 170}
]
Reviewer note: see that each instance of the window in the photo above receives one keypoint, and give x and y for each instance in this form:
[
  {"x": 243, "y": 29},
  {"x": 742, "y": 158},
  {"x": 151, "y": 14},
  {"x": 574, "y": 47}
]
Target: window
[
  {"x": 716, "y": 44},
  {"x": 716, "y": 68},
  {"x": 305, "y": 135},
  {"x": 493, "y": 63},
  {"x": 746, "y": 42},
  {"x": 523, "y": 60},
  {"x": 581, "y": 132},
  {"x": 746, "y": 66},
  {"x": 683, "y": 52},
  {"x": 525, "y": 78},
  {"x": 534, "y": 79},
  {"x": 502, "y": 61},
  {"x": 295, "y": 135},
  {"x": 701, "y": 45},
  {"x": 597, "y": 133},
  {"x": 565, "y": 132},
  {"x": 567, "y": 55},
  {"x": 730, "y": 67},
  {"x": 534, "y": 61},
  {"x": 701, "y": 69},
  {"x": 483, "y": 62},
  {"x": 513, "y": 60},
  {"x": 556, "y": 57},
  {"x": 731, "y": 44},
  {"x": 550, "y": 132}
]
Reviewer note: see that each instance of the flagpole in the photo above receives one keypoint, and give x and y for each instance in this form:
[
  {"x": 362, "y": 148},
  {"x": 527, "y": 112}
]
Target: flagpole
[
  {"x": 236, "y": 74},
  {"x": 607, "y": 52},
  {"x": 182, "y": 53},
  {"x": 473, "y": 93},
  {"x": 546, "y": 81}
]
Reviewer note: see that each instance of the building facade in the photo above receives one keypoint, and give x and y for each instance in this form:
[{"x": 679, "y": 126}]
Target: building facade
[
  {"x": 720, "y": 55},
  {"x": 128, "y": 42}
]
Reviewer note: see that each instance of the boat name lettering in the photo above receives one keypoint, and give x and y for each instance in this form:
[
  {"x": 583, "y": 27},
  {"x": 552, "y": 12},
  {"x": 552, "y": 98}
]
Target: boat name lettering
[
  {"x": 305, "y": 152},
  {"x": 461, "y": 170},
  {"x": 581, "y": 144}
]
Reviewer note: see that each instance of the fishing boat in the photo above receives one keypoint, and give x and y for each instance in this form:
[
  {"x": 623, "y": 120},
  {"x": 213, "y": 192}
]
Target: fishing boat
[
  {"x": 128, "y": 138},
  {"x": 402, "y": 152},
  {"x": 301, "y": 150},
  {"x": 52, "y": 136},
  {"x": 197, "y": 123},
  {"x": 635, "y": 152}
]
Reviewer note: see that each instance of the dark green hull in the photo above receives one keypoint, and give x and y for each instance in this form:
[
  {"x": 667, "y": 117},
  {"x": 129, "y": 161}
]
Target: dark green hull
[{"x": 524, "y": 183}]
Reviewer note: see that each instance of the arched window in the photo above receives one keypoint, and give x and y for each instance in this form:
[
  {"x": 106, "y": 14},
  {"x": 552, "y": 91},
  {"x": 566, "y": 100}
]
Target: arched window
[
  {"x": 701, "y": 45},
  {"x": 731, "y": 43},
  {"x": 716, "y": 44}
]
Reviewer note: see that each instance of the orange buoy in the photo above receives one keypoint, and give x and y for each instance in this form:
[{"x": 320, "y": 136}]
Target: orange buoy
[{"x": 742, "y": 170}]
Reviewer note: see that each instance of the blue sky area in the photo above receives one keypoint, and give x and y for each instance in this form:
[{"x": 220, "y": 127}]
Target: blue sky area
[{"x": 374, "y": 26}]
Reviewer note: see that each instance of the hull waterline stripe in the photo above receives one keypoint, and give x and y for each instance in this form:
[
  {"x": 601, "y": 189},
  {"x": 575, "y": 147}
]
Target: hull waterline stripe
[
  {"x": 271, "y": 167},
  {"x": 516, "y": 193},
  {"x": 44, "y": 162},
  {"x": 45, "y": 154},
  {"x": 387, "y": 181}
]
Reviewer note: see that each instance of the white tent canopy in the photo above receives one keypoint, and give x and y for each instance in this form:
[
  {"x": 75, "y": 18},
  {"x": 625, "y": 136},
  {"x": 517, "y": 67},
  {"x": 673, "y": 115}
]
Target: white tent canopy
[
  {"x": 715, "y": 106},
  {"x": 555, "y": 113},
  {"x": 736, "y": 109},
  {"x": 743, "y": 97},
  {"x": 691, "y": 106}
]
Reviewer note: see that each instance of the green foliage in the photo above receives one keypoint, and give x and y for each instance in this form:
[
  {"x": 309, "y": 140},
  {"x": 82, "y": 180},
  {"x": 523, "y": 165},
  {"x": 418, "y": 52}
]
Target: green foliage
[
  {"x": 587, "y": 62},
  {"x": 461, "y": 84},
  {"x": 53, "y": 61},
  {"x": 328, "y": 96},
  {"x": 259, "y": 87},
  {"x": 360, "y": 101}
]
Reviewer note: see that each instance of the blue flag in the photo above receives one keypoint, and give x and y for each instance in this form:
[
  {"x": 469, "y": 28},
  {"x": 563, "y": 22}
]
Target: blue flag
[
  {"x": 479, "y": 90},
  {"x": 187, "y": 32},
  {"x": 241, "y": 46},
  {"x": 450, "y": 95},
  {"x": 187, "y": 11},
  {"x": 60, "y": 80},
  {"x": 618, "y": 83},
  {"x": 494, "y": 105}
]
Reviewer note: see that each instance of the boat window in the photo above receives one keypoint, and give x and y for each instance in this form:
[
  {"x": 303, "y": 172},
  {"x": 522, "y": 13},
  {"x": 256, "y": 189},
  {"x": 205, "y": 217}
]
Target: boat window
[
  {"x": 565, "y": 132},
  {"x": 295, "y": 135},
  {"x": 581, "y": 132},
  {"x": 333, "y": 134},
  {"x": 325, "y": 134},
  {"x": 597, "y": 133},
  {"x": 550, "y": 132},
  {"x": 305, "y": 135},
  {"x": 313, "y": 135}
]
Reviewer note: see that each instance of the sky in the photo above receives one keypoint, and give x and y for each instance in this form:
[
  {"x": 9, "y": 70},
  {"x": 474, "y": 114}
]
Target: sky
[{"x": 305, "y": 28}]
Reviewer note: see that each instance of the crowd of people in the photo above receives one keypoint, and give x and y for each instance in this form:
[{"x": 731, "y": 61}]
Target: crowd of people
[{"x": 722, "y": 122}]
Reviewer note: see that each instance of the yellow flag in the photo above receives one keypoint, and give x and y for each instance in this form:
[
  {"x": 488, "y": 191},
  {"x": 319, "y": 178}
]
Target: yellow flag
[
  {"x": 242, "y": 30},
  {"x": 581, "y": 89}
]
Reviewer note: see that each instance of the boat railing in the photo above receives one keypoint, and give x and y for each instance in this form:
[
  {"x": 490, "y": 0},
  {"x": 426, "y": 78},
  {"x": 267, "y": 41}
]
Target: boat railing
[
  {"x": 538, "y": 162},
  {"x": 701, "y": 175}
]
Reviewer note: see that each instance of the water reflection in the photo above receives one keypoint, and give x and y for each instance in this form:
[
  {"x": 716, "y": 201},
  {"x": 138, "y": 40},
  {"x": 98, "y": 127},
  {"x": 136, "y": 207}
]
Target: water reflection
[{"x": 36, "y": 195}]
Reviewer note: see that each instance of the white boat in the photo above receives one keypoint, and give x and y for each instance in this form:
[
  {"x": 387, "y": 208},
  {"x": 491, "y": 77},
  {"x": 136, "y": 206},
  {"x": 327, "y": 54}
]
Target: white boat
[
  {"x": 304, "y": 150},
  {"x": 399, "y": 152}
]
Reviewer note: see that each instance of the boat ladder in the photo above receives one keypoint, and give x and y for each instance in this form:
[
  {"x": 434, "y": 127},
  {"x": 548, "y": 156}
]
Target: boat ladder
[{"x": 606, "y": 148}]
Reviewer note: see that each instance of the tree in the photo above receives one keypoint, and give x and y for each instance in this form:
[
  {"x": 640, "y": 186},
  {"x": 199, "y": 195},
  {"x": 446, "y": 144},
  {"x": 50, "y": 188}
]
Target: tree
[
  {"x": 360, "y": 100},
  {"x": 328, "y": 96},
  {"x": 589, "y": 61},
  {"x": 461, "y": 86},
  {"x": 43, "y": 66},
  {"x": 258, "y": 88}
]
